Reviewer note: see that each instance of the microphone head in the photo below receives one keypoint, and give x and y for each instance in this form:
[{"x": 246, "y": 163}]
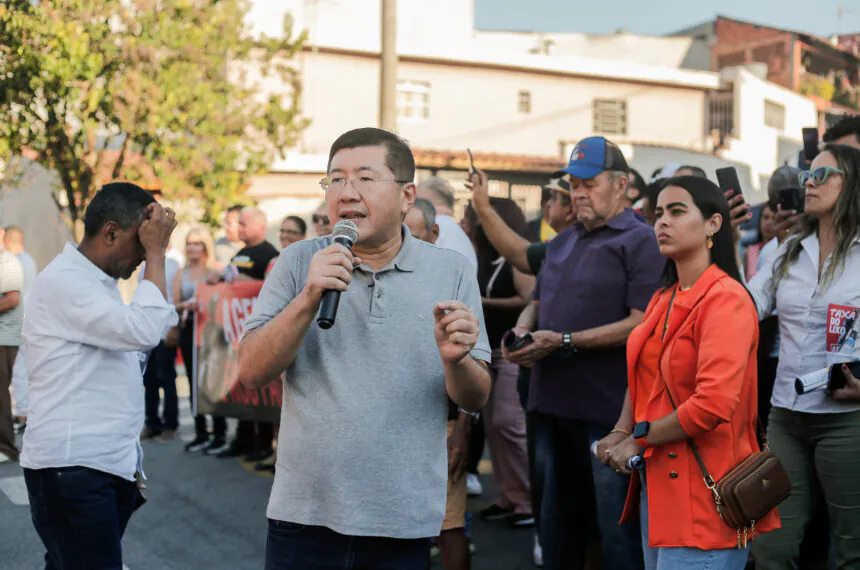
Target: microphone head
[{"x": 346, "y": 229}]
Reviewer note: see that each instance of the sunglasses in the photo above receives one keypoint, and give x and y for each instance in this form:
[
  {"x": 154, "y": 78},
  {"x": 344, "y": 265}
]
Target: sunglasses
[
  {"x": 818, "y": 175},
  {"x": 320, "y": 219}
]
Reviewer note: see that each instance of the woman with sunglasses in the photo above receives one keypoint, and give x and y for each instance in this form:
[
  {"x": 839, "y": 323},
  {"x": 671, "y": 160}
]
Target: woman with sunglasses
[
  {"x": 322, "y": 224},
  {"x": 692, "y": 377},
  {"x": 813, "y": 282}
]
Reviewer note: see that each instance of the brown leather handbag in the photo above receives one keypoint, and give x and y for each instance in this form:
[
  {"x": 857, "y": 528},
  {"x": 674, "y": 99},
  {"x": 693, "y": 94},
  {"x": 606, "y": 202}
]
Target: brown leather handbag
[{"x": 748, "y": 492}]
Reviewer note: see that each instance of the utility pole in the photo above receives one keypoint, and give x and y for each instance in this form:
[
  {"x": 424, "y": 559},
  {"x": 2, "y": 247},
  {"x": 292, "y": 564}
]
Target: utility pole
[{"x": 388, "y": 68}]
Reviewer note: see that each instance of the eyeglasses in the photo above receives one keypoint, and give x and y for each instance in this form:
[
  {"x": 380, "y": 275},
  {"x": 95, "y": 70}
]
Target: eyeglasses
[
  {"x": 320, "y": 219},
  {"x": 818, "y": 176},
  {"x": 363, "y": 184},
  {"x": 292, "y": 232}
]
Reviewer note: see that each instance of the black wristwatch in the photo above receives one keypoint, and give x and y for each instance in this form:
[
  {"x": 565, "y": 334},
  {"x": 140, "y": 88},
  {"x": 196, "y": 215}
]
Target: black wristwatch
[
  {"x": 640, "y": 432},
  {"x": 567, "y": 343}
]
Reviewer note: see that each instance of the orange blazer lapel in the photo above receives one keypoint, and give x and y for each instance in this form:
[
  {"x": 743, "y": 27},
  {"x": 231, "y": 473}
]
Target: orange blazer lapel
[{"x": 682, "y": 307}]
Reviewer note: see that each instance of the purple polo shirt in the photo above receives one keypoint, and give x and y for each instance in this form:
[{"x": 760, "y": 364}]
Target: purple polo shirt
[{"x": 591, "y": 279}]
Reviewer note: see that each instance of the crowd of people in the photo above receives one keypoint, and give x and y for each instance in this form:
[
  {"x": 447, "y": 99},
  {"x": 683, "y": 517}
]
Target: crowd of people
[{"x": 590, "y": 349}]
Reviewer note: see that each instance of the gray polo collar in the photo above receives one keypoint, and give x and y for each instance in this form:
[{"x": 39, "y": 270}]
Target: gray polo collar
[{"x": 406, "y": 259}]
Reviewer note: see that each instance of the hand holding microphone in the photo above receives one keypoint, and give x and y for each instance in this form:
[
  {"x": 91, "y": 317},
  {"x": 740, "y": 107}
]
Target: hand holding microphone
[{"x": 331, "y": 272}]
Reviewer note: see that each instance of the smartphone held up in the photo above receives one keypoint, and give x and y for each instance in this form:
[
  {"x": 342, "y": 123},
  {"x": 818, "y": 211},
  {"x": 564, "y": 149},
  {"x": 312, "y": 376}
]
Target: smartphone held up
[{"x": 728, "y": 180}]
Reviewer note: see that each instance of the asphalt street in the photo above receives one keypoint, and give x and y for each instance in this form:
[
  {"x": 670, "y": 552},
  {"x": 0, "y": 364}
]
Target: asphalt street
[{"x": 210, "y": 513}]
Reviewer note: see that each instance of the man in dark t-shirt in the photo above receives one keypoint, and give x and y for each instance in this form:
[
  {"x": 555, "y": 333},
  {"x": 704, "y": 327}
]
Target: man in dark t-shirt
[{"x": 253, "y": 440}]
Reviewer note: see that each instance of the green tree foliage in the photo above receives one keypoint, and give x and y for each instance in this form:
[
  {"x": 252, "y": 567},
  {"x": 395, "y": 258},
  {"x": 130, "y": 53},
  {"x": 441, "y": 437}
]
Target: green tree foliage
[{"x": 169, "y": 92}]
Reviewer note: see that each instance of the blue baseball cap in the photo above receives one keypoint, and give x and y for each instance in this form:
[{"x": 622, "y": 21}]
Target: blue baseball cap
[{"x": 594, "y": 155}]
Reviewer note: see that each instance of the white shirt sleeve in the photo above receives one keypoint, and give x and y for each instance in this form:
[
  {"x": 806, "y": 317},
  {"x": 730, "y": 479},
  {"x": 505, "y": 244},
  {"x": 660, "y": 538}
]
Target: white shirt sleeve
[
  {"x": 11, "y": 274},
  {"x": 762, "y": 287},
  {"x": 20, "y": 389},
  {"x": 89, "y": 315}
]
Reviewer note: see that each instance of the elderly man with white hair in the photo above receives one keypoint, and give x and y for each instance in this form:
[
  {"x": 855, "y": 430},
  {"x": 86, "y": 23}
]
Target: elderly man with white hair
[{"x": 451, "y": 235}]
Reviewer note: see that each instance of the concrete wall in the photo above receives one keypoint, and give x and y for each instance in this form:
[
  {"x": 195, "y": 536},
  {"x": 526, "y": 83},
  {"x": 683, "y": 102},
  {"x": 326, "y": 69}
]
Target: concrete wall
[
  {"x": 762, "y": 147},
  {"x": 477, "y": 107}
]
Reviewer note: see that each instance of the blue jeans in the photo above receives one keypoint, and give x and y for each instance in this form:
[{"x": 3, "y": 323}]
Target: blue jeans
[
  {"x": 581, "y": 499},
  {"x": 161, "y": 373},
  {"x": 293, "y": 546},
  {"x": 80, "y": 514},
  {"x": 680, "y": 558}
]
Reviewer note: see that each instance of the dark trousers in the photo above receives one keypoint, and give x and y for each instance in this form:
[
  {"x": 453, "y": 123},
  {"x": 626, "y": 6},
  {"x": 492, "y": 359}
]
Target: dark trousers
[
  {"x": 186, "y": 346},
  {"x": 161, "y": 373},
  {"x": 292, "y": 546},
  {"x": 7, "y": 429},
  {"x": 477, "y": 438},
  {"x": 80, "y": 514},
  {"x": 523, "y": 381},
  {"x": 254, "y": 436},
  {"x": 581, "y": 499}
]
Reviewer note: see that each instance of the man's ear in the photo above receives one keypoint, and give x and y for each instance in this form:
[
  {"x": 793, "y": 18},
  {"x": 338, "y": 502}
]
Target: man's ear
[
  {"x": 410, "y": 193},
  {"x": 622, "y": 184},
  {"x": 109, "y": 232},
  {"x": 434, "y": 233}
]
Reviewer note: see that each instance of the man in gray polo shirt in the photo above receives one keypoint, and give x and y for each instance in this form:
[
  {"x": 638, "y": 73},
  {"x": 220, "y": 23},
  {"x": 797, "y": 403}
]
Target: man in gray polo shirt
[{"x": 362, "y": 468}]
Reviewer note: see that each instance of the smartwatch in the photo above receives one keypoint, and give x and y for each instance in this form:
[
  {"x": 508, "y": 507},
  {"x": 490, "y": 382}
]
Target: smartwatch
[
  {"x": 640, "y": 432},
  {"x": 567, "y": 343}
]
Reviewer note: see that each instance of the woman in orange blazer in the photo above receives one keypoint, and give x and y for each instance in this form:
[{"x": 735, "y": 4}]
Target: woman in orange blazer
[{"x": 698, "y": 338}]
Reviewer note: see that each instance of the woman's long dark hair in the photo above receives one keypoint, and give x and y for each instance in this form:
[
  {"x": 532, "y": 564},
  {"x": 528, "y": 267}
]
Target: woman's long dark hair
[
  {"x": 710, "y": 200},
  {"x": 846, "y": 220},
  {"x": 512, "y": 215}
]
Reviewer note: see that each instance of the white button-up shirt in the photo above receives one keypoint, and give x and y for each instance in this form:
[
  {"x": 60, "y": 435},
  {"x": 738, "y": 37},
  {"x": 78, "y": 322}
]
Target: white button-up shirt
[
  {"x": 86, "y": 348},
  {"x": 802, "y": 304}
]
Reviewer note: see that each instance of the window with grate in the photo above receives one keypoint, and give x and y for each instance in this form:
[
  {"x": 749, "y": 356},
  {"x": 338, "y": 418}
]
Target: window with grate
[
  {"x": 413, "y": 100},
  {"x": 524, "y": 102},
  {"x": 774, "y": 115},
  {"x": 610, "y": 116}
]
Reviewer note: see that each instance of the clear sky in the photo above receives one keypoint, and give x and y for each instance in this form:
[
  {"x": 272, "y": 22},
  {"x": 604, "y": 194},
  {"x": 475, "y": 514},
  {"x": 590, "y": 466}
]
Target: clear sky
[{"x": 657, "y": 17}]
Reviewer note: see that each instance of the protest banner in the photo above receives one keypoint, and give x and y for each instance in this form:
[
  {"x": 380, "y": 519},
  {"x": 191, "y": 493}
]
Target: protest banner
[{"x": 218, "y": 324}]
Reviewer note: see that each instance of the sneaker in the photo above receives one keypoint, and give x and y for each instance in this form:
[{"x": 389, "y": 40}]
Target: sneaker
[
  {"x": 496, "y": 513},
  {"x": 166, "y": 435},
  {"x": 199, "y": 442},
  {"x": 521, "y": 520},
  {"x": 149, "y": 433},
  {"x": 234, "y": 449},
  {"x": 258, "y": 455},
  {"x": 264, "y": 467},
  {"x": 473, "y": 485},
  {"x": 216, "y": 446},
  {"x": 537, "y": 553},
  {"x": 4, "y": 458}
]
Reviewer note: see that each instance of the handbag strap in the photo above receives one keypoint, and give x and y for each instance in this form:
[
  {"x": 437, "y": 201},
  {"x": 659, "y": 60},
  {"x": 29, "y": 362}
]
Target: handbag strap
[{"x": 709, "y": 481}]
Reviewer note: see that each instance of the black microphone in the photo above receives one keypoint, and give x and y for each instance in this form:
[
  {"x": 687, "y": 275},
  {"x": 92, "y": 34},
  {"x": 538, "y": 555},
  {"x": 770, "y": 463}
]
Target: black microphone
[{"x": 346, "y": 234}]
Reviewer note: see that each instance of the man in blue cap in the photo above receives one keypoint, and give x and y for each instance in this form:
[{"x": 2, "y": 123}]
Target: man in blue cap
[{"x": 594, "y": 285}]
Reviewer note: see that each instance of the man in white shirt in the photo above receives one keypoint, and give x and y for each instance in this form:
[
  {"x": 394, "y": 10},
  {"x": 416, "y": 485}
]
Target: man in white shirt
[
  {"x": 451, "y": 235},
  {"x": 86, "y": 350}
]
